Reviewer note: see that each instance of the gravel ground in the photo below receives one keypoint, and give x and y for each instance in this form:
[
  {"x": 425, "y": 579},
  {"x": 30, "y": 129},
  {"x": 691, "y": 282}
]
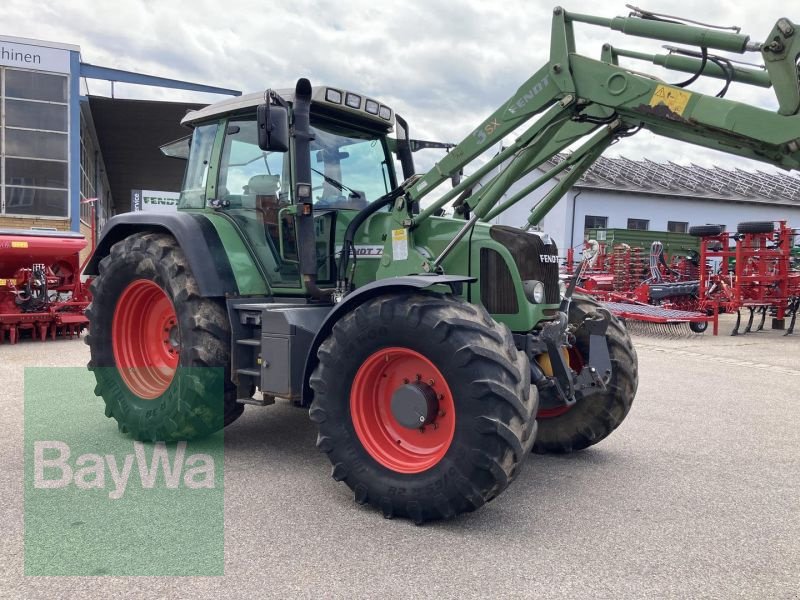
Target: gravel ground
[{"x": 697, "y": 495}]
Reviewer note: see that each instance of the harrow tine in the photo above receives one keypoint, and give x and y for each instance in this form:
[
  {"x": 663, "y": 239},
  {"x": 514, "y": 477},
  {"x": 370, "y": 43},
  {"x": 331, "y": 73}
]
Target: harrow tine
[
  {"x": 750, "y": 320},
  {"x": 795, "y": 308},
  {"x": 763, "y": 318},
  {"x": 738, "y": 322},
  {"x": 666, "y": 330}
]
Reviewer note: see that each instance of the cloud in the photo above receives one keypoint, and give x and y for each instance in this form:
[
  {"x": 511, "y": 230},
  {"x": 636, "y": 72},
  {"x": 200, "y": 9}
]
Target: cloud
[{"x": 444, "y": 65}]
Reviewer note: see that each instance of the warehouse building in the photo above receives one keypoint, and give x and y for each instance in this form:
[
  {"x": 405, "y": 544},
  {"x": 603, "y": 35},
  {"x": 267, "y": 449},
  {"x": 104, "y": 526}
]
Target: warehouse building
[
  {"x": 644, "y": 195},
  {"x": 61, "y": 148}
]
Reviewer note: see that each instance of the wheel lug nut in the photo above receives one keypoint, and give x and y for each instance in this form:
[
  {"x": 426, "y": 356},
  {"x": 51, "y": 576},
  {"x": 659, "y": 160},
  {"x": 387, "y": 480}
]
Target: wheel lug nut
[
  {"x": 405, "y": 380},
  {"x": 430, "y": 382}
]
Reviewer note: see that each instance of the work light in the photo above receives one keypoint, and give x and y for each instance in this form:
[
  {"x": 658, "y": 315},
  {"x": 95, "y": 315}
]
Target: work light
[
  {"x": 371, "y": 107},
  {"x": 353, "y": 100},
  {"x": 334, "y": 96}
]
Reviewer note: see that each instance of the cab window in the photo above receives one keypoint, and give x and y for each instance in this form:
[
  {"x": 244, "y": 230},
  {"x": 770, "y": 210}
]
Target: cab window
[
  {"x": 193, "y": 192},
  {"x": 348, "y": 169}
]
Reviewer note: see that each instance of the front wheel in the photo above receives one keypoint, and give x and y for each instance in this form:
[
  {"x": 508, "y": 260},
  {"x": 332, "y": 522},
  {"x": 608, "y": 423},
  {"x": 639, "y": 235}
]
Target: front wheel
[
  {"x": 160, "y": 352},
  {"x": 593, "y": 417},
  {"x": 424, "y": 405}
]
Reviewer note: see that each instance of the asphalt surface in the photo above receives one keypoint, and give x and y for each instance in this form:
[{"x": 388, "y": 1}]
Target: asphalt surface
[{"x": 697, "y": 495}]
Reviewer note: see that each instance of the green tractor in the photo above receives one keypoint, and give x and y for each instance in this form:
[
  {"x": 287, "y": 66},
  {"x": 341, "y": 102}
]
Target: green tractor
[{"x": 433, "y": 353}]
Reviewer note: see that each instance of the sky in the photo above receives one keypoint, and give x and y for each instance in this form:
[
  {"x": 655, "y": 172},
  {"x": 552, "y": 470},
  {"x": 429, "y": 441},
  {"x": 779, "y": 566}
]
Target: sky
[{"x": 445, "y": 65}]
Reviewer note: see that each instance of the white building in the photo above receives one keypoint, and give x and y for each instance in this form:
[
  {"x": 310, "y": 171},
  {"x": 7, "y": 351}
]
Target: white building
[{"x": 623, "y": 193}]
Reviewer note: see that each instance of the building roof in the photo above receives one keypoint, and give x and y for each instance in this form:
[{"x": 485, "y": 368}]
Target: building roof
[
  {"x": 42, "y": 43},
  {"x": 648, "y": 177}
]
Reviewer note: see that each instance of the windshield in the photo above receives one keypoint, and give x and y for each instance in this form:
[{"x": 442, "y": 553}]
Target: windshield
[{"x": 348, "y": 170}]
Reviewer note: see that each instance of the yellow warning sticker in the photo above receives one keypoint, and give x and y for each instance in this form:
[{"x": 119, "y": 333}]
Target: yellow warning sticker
[
  {"x": 3, "y": 282},
  {"x": 19, "y": 244},
  {"x": 673, "y": 98},
  {"x": 400, "y": 244}
]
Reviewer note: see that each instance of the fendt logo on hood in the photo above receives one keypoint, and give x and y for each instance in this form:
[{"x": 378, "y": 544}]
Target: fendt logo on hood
[{"x": 548, "y": 258}]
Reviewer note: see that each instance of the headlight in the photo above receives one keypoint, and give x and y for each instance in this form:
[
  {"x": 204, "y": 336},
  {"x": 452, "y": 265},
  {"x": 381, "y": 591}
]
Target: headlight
[
  {"x": 534, "y": 290},
  {"x": 562, "y": 288}
]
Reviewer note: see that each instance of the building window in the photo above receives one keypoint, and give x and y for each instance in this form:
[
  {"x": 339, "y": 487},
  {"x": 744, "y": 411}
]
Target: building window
[
  {"x": 593, "y": 222},
  {"x": 34, "y": 153},
  {"x": 677, "y": 226},
  {"x": 639, "y": 224}
]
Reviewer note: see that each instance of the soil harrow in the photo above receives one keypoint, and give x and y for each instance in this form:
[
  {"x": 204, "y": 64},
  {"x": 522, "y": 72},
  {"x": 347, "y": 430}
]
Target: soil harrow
[
  {"x": 651, "y": 294},
  {"x": 751, "y": 269}
]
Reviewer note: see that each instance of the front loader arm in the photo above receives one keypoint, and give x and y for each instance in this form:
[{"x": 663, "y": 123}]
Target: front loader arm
[
  {"x": 696, "y": 118},
  {"x": 573, "y": 96}
]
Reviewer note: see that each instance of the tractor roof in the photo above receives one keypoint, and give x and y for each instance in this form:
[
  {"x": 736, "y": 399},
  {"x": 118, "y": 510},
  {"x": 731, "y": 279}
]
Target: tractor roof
[{"x": 326, "y": 97}]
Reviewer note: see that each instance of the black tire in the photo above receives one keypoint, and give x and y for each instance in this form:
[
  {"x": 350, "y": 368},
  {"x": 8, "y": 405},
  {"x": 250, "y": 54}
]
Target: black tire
[
  {"x": 755, "y": 227},
  {"x": 706, "y": 230},
  {"x": 698, "y": 326},
  {"x": 592, "y": 418},
  {"x": 490, "y": 383},
  {"x": 191, "y": 407}
]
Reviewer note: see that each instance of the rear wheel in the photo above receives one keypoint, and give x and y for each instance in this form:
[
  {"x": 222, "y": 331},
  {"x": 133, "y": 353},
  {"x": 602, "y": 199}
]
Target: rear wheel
[
  {"x": 592, "y": 418},
  {"x": 159, "y": 351},
  {"x": 424, "y": 405}
]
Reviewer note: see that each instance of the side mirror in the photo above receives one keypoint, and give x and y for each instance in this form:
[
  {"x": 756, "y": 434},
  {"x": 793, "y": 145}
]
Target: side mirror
[{"x": 273, "y": 128}]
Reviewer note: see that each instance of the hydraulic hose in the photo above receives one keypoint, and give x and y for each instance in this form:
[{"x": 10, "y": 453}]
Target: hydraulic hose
[{"x": 358, "y": 221}]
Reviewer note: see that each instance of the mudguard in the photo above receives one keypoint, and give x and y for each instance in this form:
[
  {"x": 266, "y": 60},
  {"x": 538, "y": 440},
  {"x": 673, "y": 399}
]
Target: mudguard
[
  {"x": 408, "y": 283},
  {"x": 196, "y": 236}
]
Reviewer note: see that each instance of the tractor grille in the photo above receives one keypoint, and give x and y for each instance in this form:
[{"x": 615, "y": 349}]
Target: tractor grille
[
  {"x": 528, "y": 250},
  {"x": 497, "y": 287}
]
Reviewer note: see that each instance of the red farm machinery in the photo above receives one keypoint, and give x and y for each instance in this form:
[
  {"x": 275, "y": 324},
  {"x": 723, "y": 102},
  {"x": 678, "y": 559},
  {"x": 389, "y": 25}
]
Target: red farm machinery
[
  {"x": 752, "y": 269},
  {"x": 41, "y": 293}
]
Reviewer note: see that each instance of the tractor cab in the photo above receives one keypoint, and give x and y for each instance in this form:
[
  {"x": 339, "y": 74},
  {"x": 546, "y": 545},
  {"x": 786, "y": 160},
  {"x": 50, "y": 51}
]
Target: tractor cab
[{"x": 255, "y": 183}]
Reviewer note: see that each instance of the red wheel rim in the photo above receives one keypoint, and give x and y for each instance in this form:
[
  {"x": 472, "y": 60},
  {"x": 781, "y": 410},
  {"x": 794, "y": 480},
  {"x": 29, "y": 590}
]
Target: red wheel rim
[
  {"x": 576, "y": 364},
  {"x": 145, "y": 339},
  {"x": 389, "y": 443}
]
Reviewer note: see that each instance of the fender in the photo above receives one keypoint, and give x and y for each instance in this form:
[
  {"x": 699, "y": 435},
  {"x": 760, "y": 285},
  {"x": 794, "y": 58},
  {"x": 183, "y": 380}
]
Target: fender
[
  {"x": 406, "y": 284},
  {"x": 196, "y": 236}
]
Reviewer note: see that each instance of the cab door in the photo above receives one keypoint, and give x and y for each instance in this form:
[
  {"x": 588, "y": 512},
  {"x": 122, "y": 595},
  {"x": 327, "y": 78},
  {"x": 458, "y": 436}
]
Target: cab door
[{"x": 254, "y": 189}]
